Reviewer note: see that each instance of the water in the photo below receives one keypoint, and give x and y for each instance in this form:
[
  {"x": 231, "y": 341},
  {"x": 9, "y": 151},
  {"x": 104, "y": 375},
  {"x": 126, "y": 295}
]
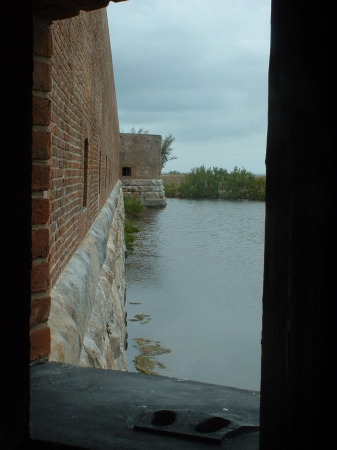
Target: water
[{"x": 194, "y": 286}]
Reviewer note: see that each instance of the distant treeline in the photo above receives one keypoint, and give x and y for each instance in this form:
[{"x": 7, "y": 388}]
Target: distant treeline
[{"x": 215, "y": 183}]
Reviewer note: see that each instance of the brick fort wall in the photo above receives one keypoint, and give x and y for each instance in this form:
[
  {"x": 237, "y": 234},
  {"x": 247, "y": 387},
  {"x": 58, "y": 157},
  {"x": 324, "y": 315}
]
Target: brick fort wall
[{"x": 75, "y": 149}]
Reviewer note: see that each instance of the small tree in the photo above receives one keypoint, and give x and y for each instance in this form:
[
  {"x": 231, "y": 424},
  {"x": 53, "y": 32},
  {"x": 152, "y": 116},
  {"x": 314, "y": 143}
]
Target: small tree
[
  {"x": 166, "y": 150},
  {"x": 140, "y": 131}
]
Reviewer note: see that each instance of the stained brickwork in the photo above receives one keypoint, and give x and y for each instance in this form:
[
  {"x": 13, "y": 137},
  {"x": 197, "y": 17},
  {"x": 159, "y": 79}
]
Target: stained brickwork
[
  {"x": 140, "y": 168},
  {"x": 83, "y": 107},
  {"x": 142, "y": 154},
  {"x": 74, "y": 108},
  {"x": 41, "y": 152}
]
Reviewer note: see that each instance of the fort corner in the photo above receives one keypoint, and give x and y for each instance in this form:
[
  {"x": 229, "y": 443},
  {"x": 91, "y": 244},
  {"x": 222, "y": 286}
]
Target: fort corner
[{"x": 140, "y": 168}]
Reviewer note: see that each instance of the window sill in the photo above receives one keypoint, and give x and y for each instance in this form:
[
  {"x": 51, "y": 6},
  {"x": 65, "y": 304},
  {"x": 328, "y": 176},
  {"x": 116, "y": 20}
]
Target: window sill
[{"x": 98, "y": 409}]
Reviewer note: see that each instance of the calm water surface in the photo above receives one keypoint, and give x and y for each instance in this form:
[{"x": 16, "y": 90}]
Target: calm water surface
[{"x": 194, "y": 285}]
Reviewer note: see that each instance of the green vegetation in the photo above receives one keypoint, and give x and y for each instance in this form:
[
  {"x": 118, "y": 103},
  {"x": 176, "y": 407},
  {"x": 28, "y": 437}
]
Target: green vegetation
[
  {"x": 129, "y": 234},
  {"x": 140, "y": 131},
  {"x": 132, "y": 207},
  {"x": 171, "y": 190},
  {"x": 166, "y": 150},
  {"x": 141, "y": 318},
  {"x": 147, "y": 361},
  {"x": 241, "y": 184},
  {"x": 215, "y": 183}
]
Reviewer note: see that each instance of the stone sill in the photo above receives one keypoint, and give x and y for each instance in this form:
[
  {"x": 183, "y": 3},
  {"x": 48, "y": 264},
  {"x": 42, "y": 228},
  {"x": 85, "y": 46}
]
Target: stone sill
[{"x": 85, "y": 408}]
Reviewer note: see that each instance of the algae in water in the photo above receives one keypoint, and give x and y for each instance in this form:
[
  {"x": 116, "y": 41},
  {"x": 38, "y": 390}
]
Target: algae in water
[{"x": 146, "y": 361}]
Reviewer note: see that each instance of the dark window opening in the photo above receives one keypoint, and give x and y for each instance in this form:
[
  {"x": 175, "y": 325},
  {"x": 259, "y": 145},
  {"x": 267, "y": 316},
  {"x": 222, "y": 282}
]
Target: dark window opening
[{"x": 126, "y": 171}]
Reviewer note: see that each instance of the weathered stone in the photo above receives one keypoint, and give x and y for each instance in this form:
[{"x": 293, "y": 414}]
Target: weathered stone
[
  {"x": 150, "y": 192},
  {"x": 140, "y": 156},
  {"x": 87, "y": 317}
]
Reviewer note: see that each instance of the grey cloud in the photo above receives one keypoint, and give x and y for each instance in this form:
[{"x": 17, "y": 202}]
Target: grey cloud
[{"x": 195, "y": 70}]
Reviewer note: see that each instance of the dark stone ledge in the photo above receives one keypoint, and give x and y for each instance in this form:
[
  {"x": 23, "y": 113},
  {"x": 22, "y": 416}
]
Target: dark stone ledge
[
  {"x": 74, "y": 407},
  {"x": 63, "y": 9}
]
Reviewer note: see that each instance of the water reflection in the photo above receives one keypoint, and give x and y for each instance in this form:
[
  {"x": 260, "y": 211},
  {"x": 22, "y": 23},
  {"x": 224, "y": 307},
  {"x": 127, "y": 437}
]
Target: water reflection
[{"x": 196, "y": 274}]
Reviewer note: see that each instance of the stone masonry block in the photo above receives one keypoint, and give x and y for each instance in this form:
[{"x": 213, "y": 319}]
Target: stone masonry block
[
  {"x": 40, "y": 178},
  {"x": 40, "y": 243},
  {"x": 41, "y": 144},
  {"x": 40, "y": 211},
  {"x": 42, "y": 80},
  {"x": 43, "y": 43},
  {"x": 39, "y": 343},
  {"x": 40, "y": 277},
  {"x": 41, "y": 111},
  {"x": 39, "y": 310}
]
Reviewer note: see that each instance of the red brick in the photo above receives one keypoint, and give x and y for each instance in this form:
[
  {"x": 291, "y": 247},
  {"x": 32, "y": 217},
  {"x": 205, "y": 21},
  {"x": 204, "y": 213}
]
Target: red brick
[
  {"x": 40, "y": 211},
  {"x": 40, "y": 243},
  {"x": 41, "y": 144},
  {"x": 41, "y": 111},
  {"x": 43, "y": 44},
  {"x": 79, "y": 70},
  {"x": 39, "y": 343},
  {"x": 39, "y": 310},
  {"x": 40, "y": 277},
  {"x": 40, "y": 178},
  {"x": 42, "y": 76}
]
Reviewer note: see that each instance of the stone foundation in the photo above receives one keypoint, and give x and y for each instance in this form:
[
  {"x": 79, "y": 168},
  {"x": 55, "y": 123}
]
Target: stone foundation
[
  {"x": 150, "y": 192},
  {"x": 87, "y": 317}
]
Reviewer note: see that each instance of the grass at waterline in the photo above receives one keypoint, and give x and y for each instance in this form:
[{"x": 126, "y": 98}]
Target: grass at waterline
[
  {"x": 146, "y": 362},
  {"x": 133, "y": 208},
  {"x": 171, "y": 190},
  {"x": 129, "y": 233},
  {"x": 215, "y": 183}
]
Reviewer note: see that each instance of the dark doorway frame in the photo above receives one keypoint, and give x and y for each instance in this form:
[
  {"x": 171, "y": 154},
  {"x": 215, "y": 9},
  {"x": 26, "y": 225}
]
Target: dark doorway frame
[{"x": 299, "y": 308}]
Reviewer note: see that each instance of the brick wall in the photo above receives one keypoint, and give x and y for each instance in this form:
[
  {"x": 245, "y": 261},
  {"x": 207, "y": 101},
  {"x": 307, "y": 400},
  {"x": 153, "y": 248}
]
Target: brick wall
[
  {"x": 142, "y": 154},
  {"x": 41, "y": 152},
  {"x": 74, "y": 113},
  {"x": 83, "y": 108}
]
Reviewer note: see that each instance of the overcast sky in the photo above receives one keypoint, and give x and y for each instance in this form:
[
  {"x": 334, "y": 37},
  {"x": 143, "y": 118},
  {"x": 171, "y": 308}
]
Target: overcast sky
[{"x": 196, "y": 69}]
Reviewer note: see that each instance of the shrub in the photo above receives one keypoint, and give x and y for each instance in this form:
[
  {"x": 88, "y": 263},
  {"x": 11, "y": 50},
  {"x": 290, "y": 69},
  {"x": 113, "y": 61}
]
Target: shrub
[
  {"x": 129, "y": 239},
  {"x": 171, "y": 190},
  {"x": 130, "y": 227},
  {"x": 218, "y": 183},
  {"x": 237, "y": 185},
  {"x": 132, "y": 207},
  {"x": 202, "y": 183}
]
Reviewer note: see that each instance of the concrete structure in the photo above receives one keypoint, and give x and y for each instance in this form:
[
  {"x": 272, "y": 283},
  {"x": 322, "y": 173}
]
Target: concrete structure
[
  {"x": 124, "y": 410},
  {"x": 77, "y": 281},
  {"x": 299, "y": 307},
  {"x": 140, "y": 168}
]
